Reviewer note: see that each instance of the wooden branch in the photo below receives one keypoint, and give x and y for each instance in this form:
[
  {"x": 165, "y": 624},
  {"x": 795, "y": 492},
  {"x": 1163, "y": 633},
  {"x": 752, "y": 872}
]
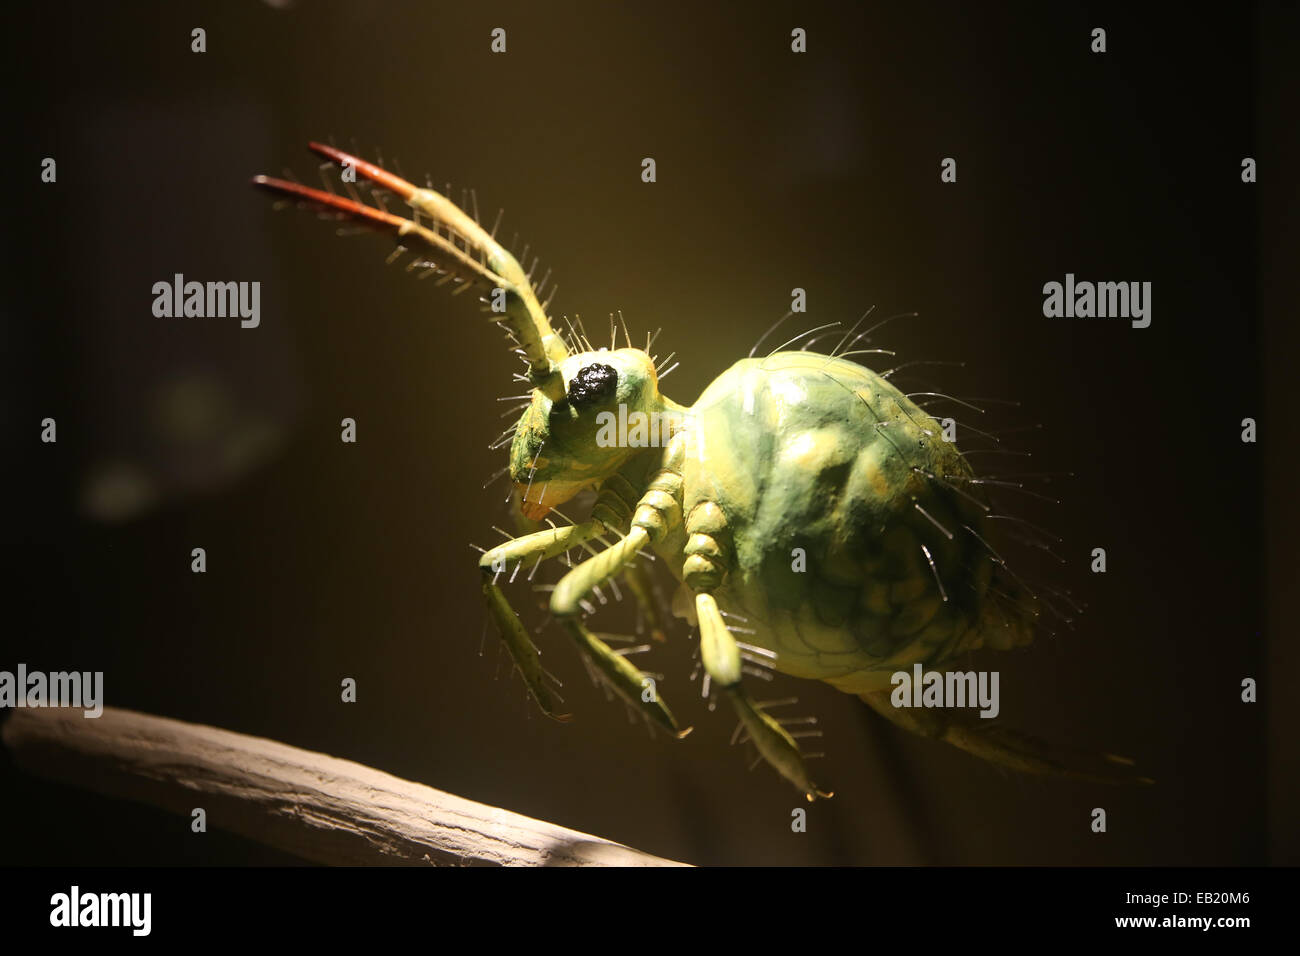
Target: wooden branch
[{"x": 315, "y": 806}]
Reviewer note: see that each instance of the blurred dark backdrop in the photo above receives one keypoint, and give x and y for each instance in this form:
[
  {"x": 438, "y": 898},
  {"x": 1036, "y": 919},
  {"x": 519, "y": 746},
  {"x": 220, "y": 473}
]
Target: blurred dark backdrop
[{"x": 775, "y": 170}]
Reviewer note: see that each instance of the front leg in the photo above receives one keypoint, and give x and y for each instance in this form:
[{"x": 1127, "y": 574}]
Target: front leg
[
  {"x": 706, "y": 566},
  {"x": 529, "y": 548},
  {"x": 649, "y": 519}
]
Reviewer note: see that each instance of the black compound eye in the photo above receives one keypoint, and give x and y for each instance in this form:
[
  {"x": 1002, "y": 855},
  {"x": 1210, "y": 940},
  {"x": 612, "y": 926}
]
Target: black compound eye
[{"x": 592, "y": 384}]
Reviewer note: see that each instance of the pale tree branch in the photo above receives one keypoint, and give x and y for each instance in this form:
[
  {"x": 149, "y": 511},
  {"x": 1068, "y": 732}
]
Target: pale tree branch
[{"x": 315, "y": 806}]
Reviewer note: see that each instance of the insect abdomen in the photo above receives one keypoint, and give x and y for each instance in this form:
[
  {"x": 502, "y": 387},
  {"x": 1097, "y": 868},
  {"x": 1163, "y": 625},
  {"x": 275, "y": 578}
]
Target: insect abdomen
[{"x": 857, "y": 551}]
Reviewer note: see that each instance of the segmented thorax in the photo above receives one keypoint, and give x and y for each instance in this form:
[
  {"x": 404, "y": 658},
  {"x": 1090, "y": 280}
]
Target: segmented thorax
[{"x": 856, "y": 546}]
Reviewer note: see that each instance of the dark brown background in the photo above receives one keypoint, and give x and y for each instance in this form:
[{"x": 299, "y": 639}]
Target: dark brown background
[{"x": 775, "y": 170}]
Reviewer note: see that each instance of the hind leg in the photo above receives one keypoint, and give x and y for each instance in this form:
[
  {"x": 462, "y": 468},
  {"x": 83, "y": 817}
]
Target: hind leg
[
  {"x": 999, "y": 745},
  {"x": 722, "y": 661},
  {"x": 703, "y": 571},
  {"x": 993, "y": 744}
]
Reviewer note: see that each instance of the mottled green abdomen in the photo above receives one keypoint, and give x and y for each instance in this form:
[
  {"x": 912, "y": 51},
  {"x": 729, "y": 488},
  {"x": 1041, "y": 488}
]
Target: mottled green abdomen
[{"x": 857, "y": 546}]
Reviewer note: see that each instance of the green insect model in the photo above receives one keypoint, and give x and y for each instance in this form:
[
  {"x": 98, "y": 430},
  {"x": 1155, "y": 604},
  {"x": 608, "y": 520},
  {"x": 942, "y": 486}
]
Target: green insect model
[{"x": 802, "y": 494}]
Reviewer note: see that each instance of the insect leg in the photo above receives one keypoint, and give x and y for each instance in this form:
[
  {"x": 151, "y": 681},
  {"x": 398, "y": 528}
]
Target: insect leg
[
  {"x": 649, "y": 515},
  {"x": 618, "y": 673},
  {"x": 708, "y": 557},
  {"x": 1005, "y": 747},
  {"x": 642, "y": 588},
  {"x": 722, "y": 661},
  {"x": 536, "y": 546}
]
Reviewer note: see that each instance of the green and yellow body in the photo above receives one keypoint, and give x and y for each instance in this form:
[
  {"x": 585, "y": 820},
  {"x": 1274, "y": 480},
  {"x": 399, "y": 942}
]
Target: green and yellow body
[{"x": 802, "y": 495}]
